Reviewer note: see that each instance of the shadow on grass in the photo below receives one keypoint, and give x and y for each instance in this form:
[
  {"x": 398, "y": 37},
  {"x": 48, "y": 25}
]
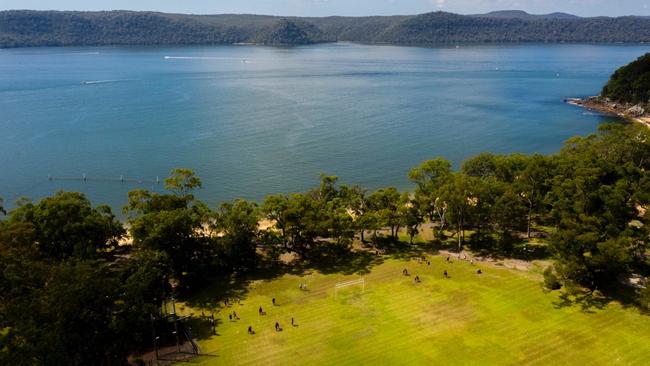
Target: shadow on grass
[
  {"x": 330, "y": 258},
  {"x": 510, "y": 247},
  {"x": 403, "y": 250},
  {"x": 590, "y": 301},
  {"x": 202, "y": 328},
  {"x": 223, "y": 292}
]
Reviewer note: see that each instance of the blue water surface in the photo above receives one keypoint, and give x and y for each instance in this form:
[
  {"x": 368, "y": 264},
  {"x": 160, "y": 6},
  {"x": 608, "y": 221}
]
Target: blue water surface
[{"x": 259, "y": 120}]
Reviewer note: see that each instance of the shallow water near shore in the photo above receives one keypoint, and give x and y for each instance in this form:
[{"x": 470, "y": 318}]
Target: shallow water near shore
[{"x": 254, "y": 121}]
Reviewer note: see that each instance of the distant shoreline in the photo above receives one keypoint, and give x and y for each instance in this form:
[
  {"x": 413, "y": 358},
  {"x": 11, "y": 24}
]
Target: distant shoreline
[
  {"x": 628, "y": 112},
  {"x": 29, "y": 28}
]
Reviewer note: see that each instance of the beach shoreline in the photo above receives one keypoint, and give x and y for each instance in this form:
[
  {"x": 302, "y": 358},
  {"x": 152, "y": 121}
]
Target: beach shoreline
[{"x": 629, "y": 112}]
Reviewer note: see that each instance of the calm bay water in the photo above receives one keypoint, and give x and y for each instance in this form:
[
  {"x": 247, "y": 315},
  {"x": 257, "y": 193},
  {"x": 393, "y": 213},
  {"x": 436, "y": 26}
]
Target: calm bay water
[{"x": 254, "y": 120}]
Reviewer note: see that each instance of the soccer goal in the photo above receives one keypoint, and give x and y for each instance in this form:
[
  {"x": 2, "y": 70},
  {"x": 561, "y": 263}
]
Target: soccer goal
[{"x": 359, "y": 282}]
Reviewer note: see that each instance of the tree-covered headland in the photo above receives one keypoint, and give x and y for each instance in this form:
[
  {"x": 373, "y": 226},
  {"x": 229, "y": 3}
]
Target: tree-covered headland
[
  {"x": 631, "y": 83},
  {"x": 65, "y": 280}
]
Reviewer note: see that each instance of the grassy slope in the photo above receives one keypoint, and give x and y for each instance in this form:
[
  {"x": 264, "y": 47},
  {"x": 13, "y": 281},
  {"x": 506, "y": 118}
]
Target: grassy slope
[{"x": 500, "y": 317}]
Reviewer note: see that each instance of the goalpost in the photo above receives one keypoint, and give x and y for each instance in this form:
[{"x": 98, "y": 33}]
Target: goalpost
[{"x": 359, "y": 282}]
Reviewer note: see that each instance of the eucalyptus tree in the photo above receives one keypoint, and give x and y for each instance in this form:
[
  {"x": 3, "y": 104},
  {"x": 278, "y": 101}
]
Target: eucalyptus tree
[
  {"x": 237, "y": 223},
  {"x": 532, "y": 183},
  {"x": 387, "y": 206},
  {"x": 66, "y": 225},
  {"x": 599, "y": 185},
  {"x": 173, "y": 223},
  {"x": 429, "y": 178},
  {"x": 412, "y": 215},
  {"x": 355, "y": 201},
  {"x": 461, "y": 196}
]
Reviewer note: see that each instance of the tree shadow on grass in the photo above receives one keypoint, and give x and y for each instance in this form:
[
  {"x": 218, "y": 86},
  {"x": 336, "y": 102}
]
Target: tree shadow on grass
[
  {"x": 219, "y": 293},
  {"x": 403, "y": 250},
  {"x": 587, "y": 301},
  {"x": 590, "y": 301},
  {"x": 330, "y": 258},
  {"x": 202, "y": 328},
  {"x": 512, "y": 247}
]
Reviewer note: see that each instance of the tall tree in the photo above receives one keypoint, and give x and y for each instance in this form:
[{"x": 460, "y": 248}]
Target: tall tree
[
  {"x": 173, "y": 224},
  {"x": 532, "y": 183},
  {"x": 66, "y": 225},
  {"x": 461, "y": 198},
  {"x": 182, "y": 181},
  {"x": 598, "y": 186},
  {"x": 387, "y": 205},
  {"x": 412, "y": 215},
  {"x": 429, "y": 177},
  {"x": 237, "y": 223}
]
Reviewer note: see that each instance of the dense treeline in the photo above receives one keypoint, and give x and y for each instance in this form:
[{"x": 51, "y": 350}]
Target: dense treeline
[
  {"x": 50, "y": 28},
  {"x": 451, "y": 28},
  {"x": 66, "y": 282},
  {"x": 630, "y": 83}
]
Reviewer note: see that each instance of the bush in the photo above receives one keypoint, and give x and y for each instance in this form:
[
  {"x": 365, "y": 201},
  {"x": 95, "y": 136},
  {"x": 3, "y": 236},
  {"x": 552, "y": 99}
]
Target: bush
[{"x": 551, "y": 281}]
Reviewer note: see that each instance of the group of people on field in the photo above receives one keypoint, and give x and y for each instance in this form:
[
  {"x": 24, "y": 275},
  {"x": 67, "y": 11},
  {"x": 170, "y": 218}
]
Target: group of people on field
[
  {"x": 445, "y": 274},
  {"x": 303, "y": 286},
  {"x": 261, "y": 312}
]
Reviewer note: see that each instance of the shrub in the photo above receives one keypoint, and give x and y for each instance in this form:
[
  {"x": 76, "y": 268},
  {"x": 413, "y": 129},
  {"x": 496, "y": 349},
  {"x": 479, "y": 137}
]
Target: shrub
[{"x": 551, "y": 280}]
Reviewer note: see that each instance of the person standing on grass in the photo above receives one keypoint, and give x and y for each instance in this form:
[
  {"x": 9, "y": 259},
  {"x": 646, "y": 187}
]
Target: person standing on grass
[
  {"x": 446, "y": 274},
  {"x": 261, "y": 311},
  {"x": 273, "y": 300},
  {"x": 292, "y": 324}
]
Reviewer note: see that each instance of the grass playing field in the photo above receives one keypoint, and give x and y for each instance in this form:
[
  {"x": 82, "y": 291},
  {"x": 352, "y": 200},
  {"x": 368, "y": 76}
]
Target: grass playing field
[{"x": 501, "y": 317}]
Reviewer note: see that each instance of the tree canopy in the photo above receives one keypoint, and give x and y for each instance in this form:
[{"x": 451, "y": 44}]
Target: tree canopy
[
  {"x": 65, "y": 281},
  {"x": 630, "y": 83}
]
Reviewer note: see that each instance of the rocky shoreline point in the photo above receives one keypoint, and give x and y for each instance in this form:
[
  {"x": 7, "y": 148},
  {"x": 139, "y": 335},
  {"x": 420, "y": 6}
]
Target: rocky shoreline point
[{"x": 632, "y": 112}]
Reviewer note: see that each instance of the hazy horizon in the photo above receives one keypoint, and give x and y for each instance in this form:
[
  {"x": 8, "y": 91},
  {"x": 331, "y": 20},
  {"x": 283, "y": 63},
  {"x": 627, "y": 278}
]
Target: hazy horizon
[{"x": 320, "y": 8}]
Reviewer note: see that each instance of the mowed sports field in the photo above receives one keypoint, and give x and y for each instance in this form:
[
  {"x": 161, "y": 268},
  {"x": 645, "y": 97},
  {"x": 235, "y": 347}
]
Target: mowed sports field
[{"x": 501, "y": 317}]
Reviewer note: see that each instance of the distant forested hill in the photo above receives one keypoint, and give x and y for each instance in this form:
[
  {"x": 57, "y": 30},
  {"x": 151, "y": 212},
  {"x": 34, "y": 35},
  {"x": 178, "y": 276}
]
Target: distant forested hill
[{"x": 51, "y": 28}]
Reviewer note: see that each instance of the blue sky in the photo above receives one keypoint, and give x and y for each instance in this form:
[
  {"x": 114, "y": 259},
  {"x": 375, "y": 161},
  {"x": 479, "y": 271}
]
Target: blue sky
[{"x": 343, "y": 7}]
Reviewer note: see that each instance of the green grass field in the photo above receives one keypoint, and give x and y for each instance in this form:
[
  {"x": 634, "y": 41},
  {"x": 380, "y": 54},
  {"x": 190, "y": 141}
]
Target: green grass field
[{"x": 502, "y": 317}]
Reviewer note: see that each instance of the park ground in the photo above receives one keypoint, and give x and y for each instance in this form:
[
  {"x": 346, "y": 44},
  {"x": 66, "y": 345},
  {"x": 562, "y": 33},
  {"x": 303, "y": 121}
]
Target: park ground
[{"x": 503, "y": 316}]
